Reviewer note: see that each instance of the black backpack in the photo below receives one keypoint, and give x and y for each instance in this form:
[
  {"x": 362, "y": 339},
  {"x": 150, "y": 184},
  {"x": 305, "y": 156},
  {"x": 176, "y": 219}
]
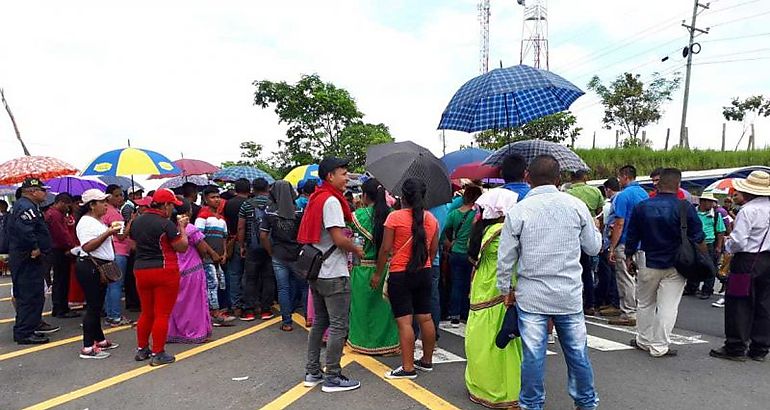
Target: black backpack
[{"x": 255, "y": 242}]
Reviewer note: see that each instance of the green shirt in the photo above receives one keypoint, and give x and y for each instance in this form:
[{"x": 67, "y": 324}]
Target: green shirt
[
  {"x": 707, "y": 219},
  {"x": 461, "y": 224},
  {"x": 590, "y": 195}
]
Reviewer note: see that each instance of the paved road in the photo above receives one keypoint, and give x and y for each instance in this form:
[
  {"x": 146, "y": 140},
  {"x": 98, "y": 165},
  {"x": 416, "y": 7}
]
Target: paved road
[{"x": 53, "y": 376}]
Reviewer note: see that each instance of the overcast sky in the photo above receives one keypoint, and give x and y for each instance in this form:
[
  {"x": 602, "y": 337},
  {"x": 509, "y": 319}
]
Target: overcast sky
[{"x": 83, "y": 77}]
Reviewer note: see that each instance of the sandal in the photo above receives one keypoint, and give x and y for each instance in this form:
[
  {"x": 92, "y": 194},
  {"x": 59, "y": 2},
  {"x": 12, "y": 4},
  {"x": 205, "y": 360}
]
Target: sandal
[{"x": 287, "y": 328}]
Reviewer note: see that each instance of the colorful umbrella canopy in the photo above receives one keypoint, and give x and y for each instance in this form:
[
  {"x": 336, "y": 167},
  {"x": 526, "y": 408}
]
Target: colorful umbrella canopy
[
  {"x": 7, "y": 189},
  {"x": 131, "y": 161},
  {"x": 475, "y": 170},
  {"x": 74, "y": 185},
  {"x": 507, "y": 98},
  {"x": 123, "y": 182},
  {"x": 721, "y": 187},
  {"x": 231, "y": 174},
  {"x": 19, "y": 169},
  {"x": 190, "y": 167},
  {"x": 529, "y": 149},
  {"x": 176, "y": 182},
  {"x": 302, "y": 173},
  {"x": 453, "y": 160}
]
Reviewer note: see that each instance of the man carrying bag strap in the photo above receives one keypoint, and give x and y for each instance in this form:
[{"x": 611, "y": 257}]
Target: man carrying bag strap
[
  {"x": 322, "y": 230},
  {"x": 662, "y": 225}
]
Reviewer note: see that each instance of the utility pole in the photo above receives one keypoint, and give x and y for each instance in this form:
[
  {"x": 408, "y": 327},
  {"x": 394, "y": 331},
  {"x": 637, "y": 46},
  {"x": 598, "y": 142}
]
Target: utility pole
[{"x": 683, "y": 142}]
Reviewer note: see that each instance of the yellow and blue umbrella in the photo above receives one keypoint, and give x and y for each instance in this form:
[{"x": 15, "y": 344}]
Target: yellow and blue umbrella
[
  {"x": 302, "y": 173},
  {"x": 131, "y": 161}
]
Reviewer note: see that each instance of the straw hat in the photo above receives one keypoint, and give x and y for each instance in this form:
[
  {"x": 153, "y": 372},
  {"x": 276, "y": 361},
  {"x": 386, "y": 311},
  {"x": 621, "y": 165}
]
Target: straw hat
[
  {"x": 758, "y": 183},
  {"x": 709, "y": 196}
]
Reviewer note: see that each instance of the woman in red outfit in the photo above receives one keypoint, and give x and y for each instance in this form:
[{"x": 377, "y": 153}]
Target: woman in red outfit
[{"x": 158, "y": 240}]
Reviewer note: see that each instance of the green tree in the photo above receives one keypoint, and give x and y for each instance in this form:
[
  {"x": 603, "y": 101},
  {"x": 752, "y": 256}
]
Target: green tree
[
  {"x": 631, "y": 105},
  {"x": 356, "y": 138},
  {"x": 252, "y": 156},
  {"x": 747, "y": 111},
  {"x": 555, "y": 128},
  {"x": 315, "y": 112}
]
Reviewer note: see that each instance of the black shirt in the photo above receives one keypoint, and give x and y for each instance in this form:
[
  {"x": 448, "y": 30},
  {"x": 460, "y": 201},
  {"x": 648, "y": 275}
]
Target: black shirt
[
  {"x": 283, "y": 235},
  {"x": 232, "y": 207},
  {"x": 154, "y": 235},
  {"x": 27, "y": 229}
]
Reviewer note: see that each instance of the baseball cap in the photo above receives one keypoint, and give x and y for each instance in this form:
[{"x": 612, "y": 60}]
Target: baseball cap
[
  {"x": 34, "y": 183},
  {"x": 92, "y": 195},
  {"x": 165, "y": 196},
  {"x": 134, "y": 190},
  {"x": 146, "y": 201},
  {"x": 329, "y": 164}
]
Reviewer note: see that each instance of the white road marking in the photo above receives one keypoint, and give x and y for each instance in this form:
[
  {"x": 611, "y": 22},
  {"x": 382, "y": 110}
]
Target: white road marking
[
  {"x": 439, "y": 355},
  {"x": 460, "y": 331},
  {"x": 675, "y": 338}
]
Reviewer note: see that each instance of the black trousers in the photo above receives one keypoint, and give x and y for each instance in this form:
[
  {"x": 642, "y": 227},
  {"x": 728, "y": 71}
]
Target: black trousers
[
  {"x": 747, "y": 320},
  {"x": 132, "y": 296},
  {"x": 29, "y": 292},
  {"x": 258, "y": 281},
  {"x": 588, "y": 281},
  {"x": 94, "y": 293},
  {"x": 60, "y": 263}
]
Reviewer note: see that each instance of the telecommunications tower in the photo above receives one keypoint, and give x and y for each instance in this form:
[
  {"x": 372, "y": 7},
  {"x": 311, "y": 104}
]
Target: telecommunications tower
[{"x": 534, "y": 33}]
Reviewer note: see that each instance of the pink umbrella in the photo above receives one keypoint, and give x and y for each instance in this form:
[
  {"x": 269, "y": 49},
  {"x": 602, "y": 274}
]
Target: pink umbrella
[
  {"x": 190, "y": 167},
  {"x": 19, "y": 169},
  {"x": 475, "y": 171}
]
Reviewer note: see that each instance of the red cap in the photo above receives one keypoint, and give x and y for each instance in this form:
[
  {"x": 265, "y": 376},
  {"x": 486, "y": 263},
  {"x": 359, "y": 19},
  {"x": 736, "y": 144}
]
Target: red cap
[
  {"x": 165, "y": 196},
  {"x": 146, "y": 201}
]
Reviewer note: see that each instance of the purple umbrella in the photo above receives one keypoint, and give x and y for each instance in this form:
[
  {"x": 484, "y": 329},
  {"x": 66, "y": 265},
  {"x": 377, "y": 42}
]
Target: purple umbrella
[{"x": 74, "y": 186}]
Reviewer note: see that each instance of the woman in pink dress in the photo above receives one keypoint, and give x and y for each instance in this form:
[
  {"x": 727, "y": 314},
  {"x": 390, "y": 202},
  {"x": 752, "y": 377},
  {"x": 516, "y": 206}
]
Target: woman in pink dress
[{"x": 190, "y": 321}]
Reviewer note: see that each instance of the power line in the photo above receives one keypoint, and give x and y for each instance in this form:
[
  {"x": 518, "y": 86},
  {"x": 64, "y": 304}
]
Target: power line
[
  {"x": 731, "y": 7},
  {"x": 741, "y": 52},
  {"x": 732, "y": 61},
  {"x": 735, "y": 38},
  {"x": 740, "y": 19}
]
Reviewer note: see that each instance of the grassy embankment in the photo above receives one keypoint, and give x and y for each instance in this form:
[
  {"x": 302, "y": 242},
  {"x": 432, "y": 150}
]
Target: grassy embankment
[{"x": 604, "y": 162}]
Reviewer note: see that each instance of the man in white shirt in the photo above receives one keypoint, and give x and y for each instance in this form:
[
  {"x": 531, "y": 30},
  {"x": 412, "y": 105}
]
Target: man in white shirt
[
  {"x": 544, "y": 235},
  {"x": 747, "y": 299}
]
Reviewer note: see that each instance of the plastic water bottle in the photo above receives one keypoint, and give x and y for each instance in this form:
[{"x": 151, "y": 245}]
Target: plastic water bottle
[
  {"x": 221, "y": 278},
  {"x": 358, "y": 242}
]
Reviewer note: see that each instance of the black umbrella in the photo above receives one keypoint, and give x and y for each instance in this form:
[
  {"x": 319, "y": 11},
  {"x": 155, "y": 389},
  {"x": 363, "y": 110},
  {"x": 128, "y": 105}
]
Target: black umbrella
[{"x": 394, "y": 163}]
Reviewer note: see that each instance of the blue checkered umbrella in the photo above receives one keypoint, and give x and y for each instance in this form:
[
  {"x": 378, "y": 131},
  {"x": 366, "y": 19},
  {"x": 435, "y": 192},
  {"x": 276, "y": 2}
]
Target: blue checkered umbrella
[
  {"x": 231, "y": 174},
  {"x": 507, "y": 98},
  {"x": 531, "y": 149}
]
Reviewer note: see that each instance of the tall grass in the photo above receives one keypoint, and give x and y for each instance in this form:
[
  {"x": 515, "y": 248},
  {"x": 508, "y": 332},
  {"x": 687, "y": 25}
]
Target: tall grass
[{"x": 604, "y": 162}]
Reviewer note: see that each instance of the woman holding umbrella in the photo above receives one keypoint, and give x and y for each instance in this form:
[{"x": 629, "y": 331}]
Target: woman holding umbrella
[{"x": 411, "y": 236}]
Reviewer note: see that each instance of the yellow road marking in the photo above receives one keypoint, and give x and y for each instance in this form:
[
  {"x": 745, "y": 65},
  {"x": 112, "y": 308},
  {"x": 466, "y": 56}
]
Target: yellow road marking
[
  {"x": 112, "y": 381},
  {"x": 408, "y": 387},
  {"x": 13, "y": 319},
  {"x": 6, "y": 284},
  {"x": 22, "y": 352},
  {"x": 296, "y": 392},
  {"x": 8, "y": 299}
]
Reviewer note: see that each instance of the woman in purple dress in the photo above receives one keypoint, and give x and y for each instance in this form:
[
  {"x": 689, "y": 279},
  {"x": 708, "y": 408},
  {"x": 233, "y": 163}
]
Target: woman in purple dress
[{"x": 190, "y": 321}]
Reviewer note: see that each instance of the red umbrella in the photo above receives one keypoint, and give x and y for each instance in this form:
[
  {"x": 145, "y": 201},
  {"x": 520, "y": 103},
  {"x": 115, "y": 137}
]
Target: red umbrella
[
  {"x": 475, "y": 171},
  {"x": 190, "y": 167},
  {"x": 19, "y": 169}
]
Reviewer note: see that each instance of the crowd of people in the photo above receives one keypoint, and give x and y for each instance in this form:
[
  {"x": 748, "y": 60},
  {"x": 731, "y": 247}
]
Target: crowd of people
[{"x": 514, "y": 263}]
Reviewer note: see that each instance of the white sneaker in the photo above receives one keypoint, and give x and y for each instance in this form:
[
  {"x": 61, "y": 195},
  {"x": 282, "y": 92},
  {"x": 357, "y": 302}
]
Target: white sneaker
[{"x": 719, "y": 303}]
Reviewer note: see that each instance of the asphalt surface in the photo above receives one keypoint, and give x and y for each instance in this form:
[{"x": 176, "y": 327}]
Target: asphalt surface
[{"x": 273, "y": 361}]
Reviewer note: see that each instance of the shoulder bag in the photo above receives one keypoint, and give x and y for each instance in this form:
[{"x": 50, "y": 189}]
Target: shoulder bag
[
  {"x": 109, "y": 271},
  {"x": 690, "y": 262},
  {"x": 739, "y": 283},
  {"x": 310, "y": 260}
]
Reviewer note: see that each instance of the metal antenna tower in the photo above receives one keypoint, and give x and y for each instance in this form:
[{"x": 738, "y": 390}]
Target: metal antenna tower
[
  {"x": 534, "y": 33},
  {"x": 484, "y": 20}
]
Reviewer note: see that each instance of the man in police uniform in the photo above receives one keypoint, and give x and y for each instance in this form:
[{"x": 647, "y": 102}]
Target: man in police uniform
[{"x": 28, "y": 240}]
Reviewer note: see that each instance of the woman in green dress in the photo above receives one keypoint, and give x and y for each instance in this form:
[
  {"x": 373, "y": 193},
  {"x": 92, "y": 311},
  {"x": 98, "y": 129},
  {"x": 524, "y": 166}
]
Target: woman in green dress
[
  {"x": 372, "y": 327},
  {"x": 492, "y": 375}
]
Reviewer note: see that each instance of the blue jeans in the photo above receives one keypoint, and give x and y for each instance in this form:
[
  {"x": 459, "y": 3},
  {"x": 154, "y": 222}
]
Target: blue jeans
[
  {"x": 289, "y": 287},
  {"x": 573, "y": 339},
  {"x": 235, "y": 275},
  {"x": 112, "y": 307},
  {"x": 461, "y": 285},
  {"x": 212, "y": 285}
]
